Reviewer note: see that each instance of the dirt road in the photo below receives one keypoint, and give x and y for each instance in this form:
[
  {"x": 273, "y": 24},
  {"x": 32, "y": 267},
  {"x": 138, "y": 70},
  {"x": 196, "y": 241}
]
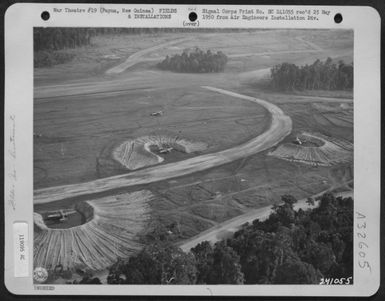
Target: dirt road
[
  {"x": 139, "y": 56},
  {"x": 136, "y": 57},
  {"x": 280, "y": 127},
  {"x": 229, "y": 227}
]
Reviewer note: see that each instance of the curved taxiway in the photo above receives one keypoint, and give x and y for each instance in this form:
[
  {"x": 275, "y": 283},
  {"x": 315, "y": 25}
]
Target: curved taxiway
[{"x": 280, "y": 127}]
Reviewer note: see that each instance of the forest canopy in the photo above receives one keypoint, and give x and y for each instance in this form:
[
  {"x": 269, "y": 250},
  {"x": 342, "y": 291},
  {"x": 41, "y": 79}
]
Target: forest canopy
[
  {"x": 49, "y": 43},
  {"x": 56, "y": 38},
  {"x": 196, "y": 61},
  {"x": 320, "y": 75},
  {"x": 290, "y": 247}
]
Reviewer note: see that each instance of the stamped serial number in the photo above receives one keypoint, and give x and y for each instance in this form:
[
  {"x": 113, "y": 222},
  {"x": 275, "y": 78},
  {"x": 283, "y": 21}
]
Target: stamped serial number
[
  {"x": 330, "y": 281},
  {"x": 44, "y": 287},
  {"x": 362, "y": 242}
]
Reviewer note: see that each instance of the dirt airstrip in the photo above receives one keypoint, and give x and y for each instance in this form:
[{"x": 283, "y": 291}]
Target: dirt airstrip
[
  {"x": 79, "y": 117},
  {"x": 279, "y": 128}
]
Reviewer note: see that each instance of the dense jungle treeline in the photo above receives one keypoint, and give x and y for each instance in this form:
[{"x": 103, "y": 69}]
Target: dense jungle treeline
[
  {"x": 317, "y": 76},
  {"x": 57, "y": 38},
  {"x": 196, "y": 61},
  {"x": 290, "y": 247},
  {"x": 50, "y": 42}
]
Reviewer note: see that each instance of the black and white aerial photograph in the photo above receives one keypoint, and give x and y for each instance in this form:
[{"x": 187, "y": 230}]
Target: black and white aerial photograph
[{"x": 177, "y": 156}]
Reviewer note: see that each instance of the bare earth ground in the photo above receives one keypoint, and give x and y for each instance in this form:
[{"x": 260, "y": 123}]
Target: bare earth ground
[{"x": 79, "y": 110}]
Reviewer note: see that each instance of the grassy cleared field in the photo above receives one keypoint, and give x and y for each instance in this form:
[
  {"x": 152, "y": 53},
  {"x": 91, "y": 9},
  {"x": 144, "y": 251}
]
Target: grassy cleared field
[{"x": 81, "y": 113}]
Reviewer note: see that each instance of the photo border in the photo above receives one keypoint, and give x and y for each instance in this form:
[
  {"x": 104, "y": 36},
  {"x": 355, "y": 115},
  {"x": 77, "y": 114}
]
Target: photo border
[{"x": 18, "y": 61}]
